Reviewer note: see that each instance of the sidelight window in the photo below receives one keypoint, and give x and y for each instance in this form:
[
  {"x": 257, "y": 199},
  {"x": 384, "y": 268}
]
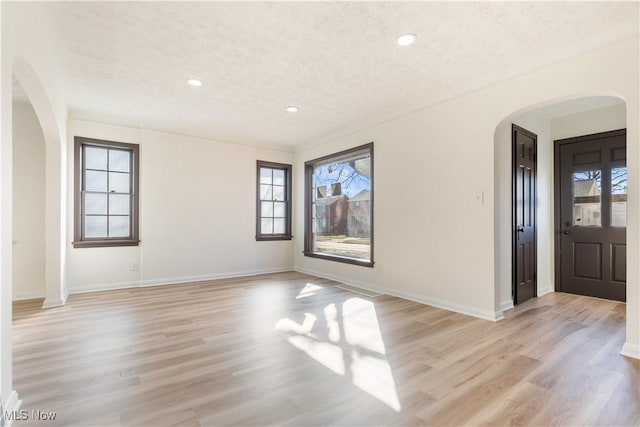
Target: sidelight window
[{"x": 619, "y": 197}]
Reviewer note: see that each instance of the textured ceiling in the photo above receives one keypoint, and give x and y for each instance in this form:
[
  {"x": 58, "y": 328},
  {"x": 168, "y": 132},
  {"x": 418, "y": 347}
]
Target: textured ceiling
[{"x": 126, "y": 62}]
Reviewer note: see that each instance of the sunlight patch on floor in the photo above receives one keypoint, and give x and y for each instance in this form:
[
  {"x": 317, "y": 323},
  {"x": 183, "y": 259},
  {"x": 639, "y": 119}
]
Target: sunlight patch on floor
[
  {"x": 309, "y": 290},
  {"x": 348, "y": 341},
  {"x": 373, "y": 375},
  {"x": 328, "y": 355},
  {"x": 361, "y": 327}
]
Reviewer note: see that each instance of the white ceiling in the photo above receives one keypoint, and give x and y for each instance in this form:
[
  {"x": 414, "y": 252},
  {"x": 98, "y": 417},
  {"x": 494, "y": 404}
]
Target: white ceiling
[{"x": 127, "y": 63}]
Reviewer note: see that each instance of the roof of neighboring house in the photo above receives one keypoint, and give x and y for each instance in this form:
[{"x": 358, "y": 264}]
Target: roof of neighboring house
[
  {"x": 364, "y": 195},
  {"x": 585, "y": 187},
  {"x": 329, "y": 200}
]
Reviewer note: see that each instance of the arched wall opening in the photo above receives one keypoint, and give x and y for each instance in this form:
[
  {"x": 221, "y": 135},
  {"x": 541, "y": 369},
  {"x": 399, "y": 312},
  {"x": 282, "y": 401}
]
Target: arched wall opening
[
  {"x": 28, "y": 201},
  {"x": 55, "y": 165},
  {"x": 552, "y": 120}
]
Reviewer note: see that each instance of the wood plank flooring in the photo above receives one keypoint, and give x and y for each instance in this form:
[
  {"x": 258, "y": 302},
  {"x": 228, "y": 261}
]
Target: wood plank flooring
[{"x": 292, "y": 349}]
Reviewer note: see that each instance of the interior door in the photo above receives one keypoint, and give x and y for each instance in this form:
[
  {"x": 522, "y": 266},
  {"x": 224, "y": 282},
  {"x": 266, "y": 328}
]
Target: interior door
[
  {"x": 591, "y": 193},
  {"x": 524, "y": 214}
]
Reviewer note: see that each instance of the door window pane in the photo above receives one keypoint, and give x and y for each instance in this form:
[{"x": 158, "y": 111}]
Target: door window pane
[
  {"x": 619, "y": 197},
  {"x": 587, "y": 198}
]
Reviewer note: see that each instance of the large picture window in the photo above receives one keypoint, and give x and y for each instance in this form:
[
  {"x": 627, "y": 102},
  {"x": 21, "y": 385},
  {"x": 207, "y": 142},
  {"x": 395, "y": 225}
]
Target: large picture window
[
  {"x": 273, "y": 218},
  {"x": 339, "y": 206},
  {"x": 106, "y": 199}
]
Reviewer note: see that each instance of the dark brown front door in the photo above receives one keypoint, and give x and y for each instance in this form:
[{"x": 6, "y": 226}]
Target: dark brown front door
[
  {"x": 524, "y": 214},
  {"x": 591, "y": 194}
]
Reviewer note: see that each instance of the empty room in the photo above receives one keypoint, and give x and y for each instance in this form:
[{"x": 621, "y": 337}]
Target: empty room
[{"x": 320, "y": 213}]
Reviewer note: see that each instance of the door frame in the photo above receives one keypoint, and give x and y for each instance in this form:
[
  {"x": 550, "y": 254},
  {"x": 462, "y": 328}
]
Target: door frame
[
  {"x": 557, "y": 144},
  {"x": 514, "y": 214}
]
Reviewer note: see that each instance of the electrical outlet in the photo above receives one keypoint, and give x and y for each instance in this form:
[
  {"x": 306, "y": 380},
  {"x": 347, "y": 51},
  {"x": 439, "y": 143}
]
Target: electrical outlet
[{"x": 133, "y": 266}]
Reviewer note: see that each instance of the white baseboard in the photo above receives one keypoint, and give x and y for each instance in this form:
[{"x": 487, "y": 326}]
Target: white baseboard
[
  {"x": 544, "y": 291},
  {"x": 28, "y": 295},
  {"x": 446, "y": 305},
  {"x": 98, "y": 287},
  {"x": 506, "y": 305},
  {"x": 631, "y": 350},
  {"x": 55, "y": 302},
  {"x": 12, "y": 407}
]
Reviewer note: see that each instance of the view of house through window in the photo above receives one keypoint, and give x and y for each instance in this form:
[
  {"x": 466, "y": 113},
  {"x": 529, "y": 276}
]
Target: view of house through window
[
  {"x": 587, "y": 198},
  {"x": 339, "y": 206}
]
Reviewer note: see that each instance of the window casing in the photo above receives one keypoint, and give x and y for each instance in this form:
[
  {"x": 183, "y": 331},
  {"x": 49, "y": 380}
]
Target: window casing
[
  {"x": 273, "y": 201},
  {"x": 339, "y": 207},
  {"x": 106, "y": 193}
]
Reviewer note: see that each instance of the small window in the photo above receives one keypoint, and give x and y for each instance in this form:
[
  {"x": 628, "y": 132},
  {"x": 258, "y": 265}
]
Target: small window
[
  {"x": 273, "y": 204},
  {"x": 339, "y": 207},
  {"x": 106, "y": 193}
]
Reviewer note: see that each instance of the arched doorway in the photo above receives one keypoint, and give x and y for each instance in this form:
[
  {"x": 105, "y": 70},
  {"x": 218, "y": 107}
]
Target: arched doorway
[
  {"x": 55, "y": 190},
  {"x": 552, "y": 120}
]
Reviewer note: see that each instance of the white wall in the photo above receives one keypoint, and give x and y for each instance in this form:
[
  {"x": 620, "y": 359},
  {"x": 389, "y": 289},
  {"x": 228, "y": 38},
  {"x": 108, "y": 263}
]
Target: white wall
[
  {"x": 28, "y": 203},
  {"x": 588, "y": 122},
  {"x": 197, "y": 213},
  {"x": 432, "y": 243}
]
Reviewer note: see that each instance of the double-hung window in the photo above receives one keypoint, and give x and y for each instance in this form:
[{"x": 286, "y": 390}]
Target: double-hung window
[
  {"x": 273, "y": 204},
  {"x": 106, "y": 199},
  {"x": 339, "y": 206}
]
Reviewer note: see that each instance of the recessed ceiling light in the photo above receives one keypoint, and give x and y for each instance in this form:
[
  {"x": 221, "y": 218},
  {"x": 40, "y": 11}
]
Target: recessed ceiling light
[
  {"x": 292, "y": 109},
  {"x": 406, "y": 39},
  {"x": 194, "y": 82}
]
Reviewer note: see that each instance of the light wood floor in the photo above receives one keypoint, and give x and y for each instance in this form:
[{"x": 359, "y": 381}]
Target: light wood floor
[{"x": 291, "y": 349}]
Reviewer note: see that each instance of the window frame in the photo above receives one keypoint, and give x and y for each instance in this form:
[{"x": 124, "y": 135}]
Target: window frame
[
  {"x": 92, "y": 242},
  {"x": 287, "y": 168},
  {"x": 309, "y": 166}
]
